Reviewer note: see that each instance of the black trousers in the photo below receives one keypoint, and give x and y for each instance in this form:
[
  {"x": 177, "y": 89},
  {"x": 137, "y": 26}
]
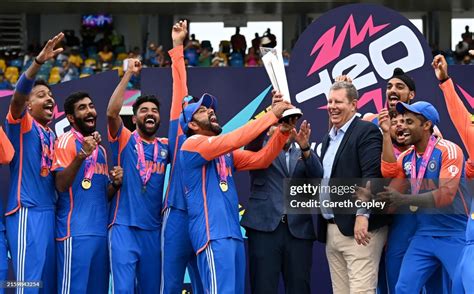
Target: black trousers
[{"x": 272, "y": 253}]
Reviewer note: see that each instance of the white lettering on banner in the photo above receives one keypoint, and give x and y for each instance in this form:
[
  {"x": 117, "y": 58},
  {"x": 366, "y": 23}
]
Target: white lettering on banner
[
  {"x": 61, "y": 126},
  {"x": 414, "y": 59},
  {"x": 404, "y": 35},
  {"x": 360, "y": 63}
]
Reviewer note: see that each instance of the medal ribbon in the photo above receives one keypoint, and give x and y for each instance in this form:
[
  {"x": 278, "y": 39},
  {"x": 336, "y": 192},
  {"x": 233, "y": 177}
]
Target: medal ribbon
[
  {"x": 222, "y": 169},
  {"x": 91, "y": 160},
  {"x": 416, "y": 185},
  {"x": 46, "y": 159},
  {"x": 396, "y": 152},
  {"x": 145, "y": 172}
]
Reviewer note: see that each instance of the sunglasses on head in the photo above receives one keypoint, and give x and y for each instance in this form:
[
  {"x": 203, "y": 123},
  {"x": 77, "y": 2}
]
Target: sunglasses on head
[{"x": 187, "y": 100}]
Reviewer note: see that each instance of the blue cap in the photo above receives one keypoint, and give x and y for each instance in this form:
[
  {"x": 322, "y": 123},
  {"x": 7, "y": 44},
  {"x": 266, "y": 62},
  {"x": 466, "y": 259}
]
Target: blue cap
[
  {"x": 186, "y": 115},
  {"x": 423, "y": 108}
]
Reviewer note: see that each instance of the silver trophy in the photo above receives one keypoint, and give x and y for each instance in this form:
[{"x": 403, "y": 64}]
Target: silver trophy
[{"x": 273, "y": 62}]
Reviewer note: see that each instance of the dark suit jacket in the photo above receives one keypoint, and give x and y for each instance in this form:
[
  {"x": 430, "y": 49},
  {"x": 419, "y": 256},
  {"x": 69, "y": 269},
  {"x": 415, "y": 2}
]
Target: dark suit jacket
[
  {"x": 358, "y": 156},
  {"x": 265, "y": 206}
]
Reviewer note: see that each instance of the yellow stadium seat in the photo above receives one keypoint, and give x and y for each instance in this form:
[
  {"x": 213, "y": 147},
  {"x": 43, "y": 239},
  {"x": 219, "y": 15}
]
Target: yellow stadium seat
[
  {"x": 54, "y": 78},
  {"x": 84, "y": 75},
  {"x": 3, "y": 65},
  {"x": 55, "y": 71},
  {"x": 122, "y": 56},
  {"x": 120, "y": 70},
  {"x": 11, "y": 74},
  {"x": 90, "y": 62}
]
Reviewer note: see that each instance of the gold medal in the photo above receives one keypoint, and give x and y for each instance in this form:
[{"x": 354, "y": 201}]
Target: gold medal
[
  {"x": 86, "y": 184},
  {"x": 224, "y": 186},
  {"x": 472, "y": 215},
  {"x": 413, "y": 208},
  {"x": 44, "y": 171}
]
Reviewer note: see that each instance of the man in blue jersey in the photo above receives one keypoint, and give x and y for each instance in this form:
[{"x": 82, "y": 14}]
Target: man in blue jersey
[
  {"x": 135, "y": 218},
  {"x": 177, "y": 251},
  {"x": 31, "y": 202},
  {"x": 81, "y": 173},
  {"x": 208, "y": 161},
  {"x": 434, "y": 167}
]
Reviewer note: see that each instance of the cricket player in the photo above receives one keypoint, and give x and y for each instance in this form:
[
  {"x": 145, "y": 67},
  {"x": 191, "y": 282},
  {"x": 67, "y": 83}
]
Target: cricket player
[
  {"x": 176, "y": 249},
  {"x": 461, "y": 118},
  {"x": 208, "y": 161},
  {"x": 82, "y": 180},
  {"x": 434, "y": 167},
  {"x": 135, "y": 213},
  {"x": 30, "y": 215},
  {"x": 6, "y": 155}
]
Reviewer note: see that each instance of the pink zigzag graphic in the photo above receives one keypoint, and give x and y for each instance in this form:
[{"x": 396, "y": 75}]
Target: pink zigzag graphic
[
  {"x": 466, "y": 95},
  {"x": 331, "y": 50},
  {"x": 56, "y": 113}
]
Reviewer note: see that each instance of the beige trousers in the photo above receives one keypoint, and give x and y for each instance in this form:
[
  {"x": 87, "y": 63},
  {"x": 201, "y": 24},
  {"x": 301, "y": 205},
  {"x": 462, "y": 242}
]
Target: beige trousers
[{"x": 354, "y": 268}]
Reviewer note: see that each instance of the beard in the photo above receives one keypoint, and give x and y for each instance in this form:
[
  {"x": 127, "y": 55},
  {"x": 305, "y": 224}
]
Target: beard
[
  {"x": 147, "y": 131},
  {"x": 208, "y": 126},
  {"x": 83, "y": 128}
]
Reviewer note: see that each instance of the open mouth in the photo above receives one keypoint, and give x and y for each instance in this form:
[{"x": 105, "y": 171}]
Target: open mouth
[
  {"x": 400, "y": 135},
  {"x": 334, "y": 115},
  {"x": 213, "y": 119},
  {"x": 49, "y": 108},
  {"x": 393, "y": 99},
  {"x": 150, "y": 122},
  {"x": 90, "y": 121}
]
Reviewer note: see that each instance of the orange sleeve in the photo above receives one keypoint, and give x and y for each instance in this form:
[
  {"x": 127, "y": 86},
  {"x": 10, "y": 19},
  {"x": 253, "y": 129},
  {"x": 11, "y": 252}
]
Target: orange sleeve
[
  {"x": 6, "y": 148},
  {"x": 459, "y": 115},
  {"x": 248, "y": 160},
  {"x": 470, "y": 169},
  {"x": 395, "y": 170},
  {"x": 210, "y": 147},
  {"x": 451, "y": 170},
  {"x": 64, "y": 152},
  {"x": 25, "y": 120},
  {"x": 180, "y": 89},
  {"x": 122, "y": 138}
]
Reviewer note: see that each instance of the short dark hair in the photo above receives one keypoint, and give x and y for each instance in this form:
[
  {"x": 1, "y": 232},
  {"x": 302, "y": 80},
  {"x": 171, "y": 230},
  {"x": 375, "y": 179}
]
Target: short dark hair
[
  {"x": 73, "y": 99},
  {"x": 142, "y": 99},
  {"x": 41, "y": 82},
  {"x": 393, "y": 113}
]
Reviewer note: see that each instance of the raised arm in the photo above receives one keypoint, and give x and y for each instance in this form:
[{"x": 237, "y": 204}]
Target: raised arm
[
  {"x": 249, "y": 160},
  {"x": 178, "y": 68},
  {"x": 114, "y": 120},
  {"x": 388, "y": 155},
  {"x": 207, "y": 148},
  {"x": 458, "y": 113},
  {"x": 27, "y": 79},
  {"x": 180, "y": 89}
]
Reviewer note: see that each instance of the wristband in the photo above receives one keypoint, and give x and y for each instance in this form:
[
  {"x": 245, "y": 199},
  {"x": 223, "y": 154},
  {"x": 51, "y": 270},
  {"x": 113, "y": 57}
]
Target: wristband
[
  {"x": 305, "y": 149},
  {"x": 444, "y": 80},
  {"x": 24, "y": 85},
  {"x": 37, "y": 61}
]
